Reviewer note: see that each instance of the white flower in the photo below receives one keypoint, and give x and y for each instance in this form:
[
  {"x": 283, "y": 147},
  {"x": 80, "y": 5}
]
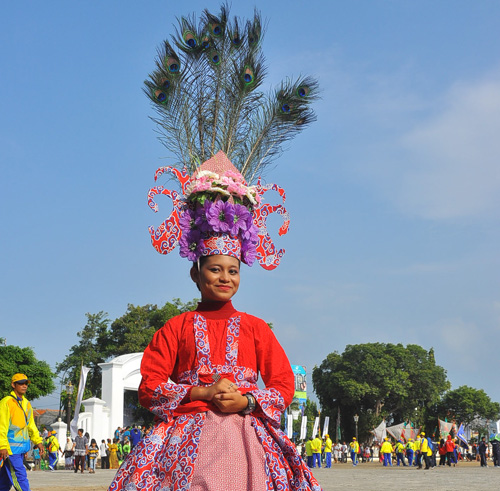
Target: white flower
[{"x": 207, "y": 173}]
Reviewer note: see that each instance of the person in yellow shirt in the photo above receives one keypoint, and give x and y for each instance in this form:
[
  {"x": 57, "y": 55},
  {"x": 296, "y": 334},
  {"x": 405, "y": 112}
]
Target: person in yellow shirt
[
  {"x": 17, "y": 428},
  {"x": 417, "y": 455},
  {"x": 328, "y": 451},
  {"x": 386, "y": 451},
  {"x": 309, "y": 453},
  {"x": 423, "y": 451},
  {"x": 354, "y": 451},
  {"x": 316, "y": 451},
  {"x": 400, "y": 449},
  {"x": 54, "y": 449},
  {"x": 409, "y": 451}
]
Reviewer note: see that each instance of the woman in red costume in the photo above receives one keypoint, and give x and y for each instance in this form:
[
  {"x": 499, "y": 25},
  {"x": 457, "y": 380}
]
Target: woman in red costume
[{"x": 215, "y": 428}]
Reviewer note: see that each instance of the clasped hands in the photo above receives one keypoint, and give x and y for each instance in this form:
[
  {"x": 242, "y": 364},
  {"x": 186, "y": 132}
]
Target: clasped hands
[{"x": 224, "y": 394}]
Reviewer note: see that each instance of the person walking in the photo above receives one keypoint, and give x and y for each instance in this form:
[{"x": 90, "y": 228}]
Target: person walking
[
  {"x": 400, "y": 448},
  {"x": 93, "y": 453},
  {"x": 386, "y": 452},
  {"x": 483, "y": 447},
  {"x": 135, "y": 436},
  {"x": 354, "y": 451},
  {"x": 80, "y": 449},
  {"x": 17, "y": 429},
  {"x": 423, "y": 452},
  {"x": 328, "y": 452},
  {"x": 450, "y": 451},
  {"x": 442, "y": 452},
  {"x": 104, "y": 452},
  {"x": 409, "y": 451},
  {"x": 68, "y": 454},
  {"x": 495, "y": 450},
  {"x": 309, "y": 453},
  {"x": 316, "y": 450},
  {"x": 113, "y": 454},
  {"x": 53, "y": 448}
]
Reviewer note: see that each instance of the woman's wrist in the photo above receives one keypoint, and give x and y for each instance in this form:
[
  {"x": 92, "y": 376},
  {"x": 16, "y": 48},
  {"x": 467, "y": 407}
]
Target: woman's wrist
[
  {"x": 200, "y": 393},
  {"x": 251, "y": 404}
]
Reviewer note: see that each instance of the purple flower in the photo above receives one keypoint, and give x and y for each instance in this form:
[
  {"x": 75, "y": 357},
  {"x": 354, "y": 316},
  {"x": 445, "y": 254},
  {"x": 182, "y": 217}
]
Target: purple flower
[
  {"x": 240, "y": 220},
  {"x": 220, "y": 216},
  {"x": 187, "y": 220},
  {"x": 191, "y": 245},
  {"x": 200, "y": 219},
  {"x": 248, "y": 252},
  {"x": 251, "y": 233}
]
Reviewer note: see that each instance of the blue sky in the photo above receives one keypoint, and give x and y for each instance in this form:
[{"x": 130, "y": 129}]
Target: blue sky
[{"x": 394, "y": 192}]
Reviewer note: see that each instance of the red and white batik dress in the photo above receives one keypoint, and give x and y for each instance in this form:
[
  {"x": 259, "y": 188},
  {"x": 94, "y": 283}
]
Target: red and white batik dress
[{"x": 193, "y": 446}]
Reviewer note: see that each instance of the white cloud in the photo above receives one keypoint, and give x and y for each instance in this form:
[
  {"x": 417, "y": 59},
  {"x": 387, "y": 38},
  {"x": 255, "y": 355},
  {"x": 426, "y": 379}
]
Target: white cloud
[{"x": 453, "y": 166}]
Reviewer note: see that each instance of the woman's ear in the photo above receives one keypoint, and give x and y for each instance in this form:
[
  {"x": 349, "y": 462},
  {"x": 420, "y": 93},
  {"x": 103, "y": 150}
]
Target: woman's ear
[{"x": 193, "y": 272}]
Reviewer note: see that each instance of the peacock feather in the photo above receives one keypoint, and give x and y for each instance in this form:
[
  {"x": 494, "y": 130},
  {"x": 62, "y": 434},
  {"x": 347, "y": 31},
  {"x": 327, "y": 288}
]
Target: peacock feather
[{"x": 206, "y": 93}]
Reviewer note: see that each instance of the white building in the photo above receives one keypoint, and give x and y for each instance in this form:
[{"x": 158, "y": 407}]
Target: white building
[{"x": 102, "y": 416}]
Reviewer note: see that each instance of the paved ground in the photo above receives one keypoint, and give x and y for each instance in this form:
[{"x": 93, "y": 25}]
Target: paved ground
[{"x": 367, "y": 477}]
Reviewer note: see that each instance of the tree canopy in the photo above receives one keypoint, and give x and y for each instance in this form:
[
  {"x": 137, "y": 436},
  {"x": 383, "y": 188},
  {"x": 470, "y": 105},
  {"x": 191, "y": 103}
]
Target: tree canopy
[
  {"x": 466, "y": 404},
  {"x": 14, "y": 359},
  {"x": 101, "y": 339},
  {"x": 378, "y": 380}
]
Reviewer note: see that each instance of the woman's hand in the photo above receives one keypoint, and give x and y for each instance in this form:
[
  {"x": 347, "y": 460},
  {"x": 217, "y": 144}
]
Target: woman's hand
[
  {"x": 232, "y": 402},
  {"x": 223, "y": 386}
]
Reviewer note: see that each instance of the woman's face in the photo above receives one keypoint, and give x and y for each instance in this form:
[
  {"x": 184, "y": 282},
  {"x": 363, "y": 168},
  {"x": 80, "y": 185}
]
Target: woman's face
[{"x": 218, "y": 278}]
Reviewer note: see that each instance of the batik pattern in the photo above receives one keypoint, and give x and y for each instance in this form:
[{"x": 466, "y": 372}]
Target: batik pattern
[
  {"x": 165, "y": 459},
  {"x": 166, "y": 237}
]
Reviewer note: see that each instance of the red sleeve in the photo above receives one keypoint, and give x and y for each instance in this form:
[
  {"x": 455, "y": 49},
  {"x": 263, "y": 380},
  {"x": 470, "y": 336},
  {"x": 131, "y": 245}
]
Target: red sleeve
[
  {"x": 275, "y": 371},
  {"x": 156, "y": 392}
]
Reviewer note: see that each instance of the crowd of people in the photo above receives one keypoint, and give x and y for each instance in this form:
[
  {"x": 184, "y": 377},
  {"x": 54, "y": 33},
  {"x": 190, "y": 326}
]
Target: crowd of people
[
  {"x": 316, "y": 451},
  {"x": 421, "y": 452},
  {"x": 85, "y": 453}
]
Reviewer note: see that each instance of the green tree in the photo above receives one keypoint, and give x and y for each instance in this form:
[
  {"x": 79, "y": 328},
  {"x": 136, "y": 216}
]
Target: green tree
[
  {"x": 466, "y": 404},
  {"x": 14, "y": 359},
  {"x": 132, "y": 332},
  {"x": 376, "y": 381},
  {"x": 101, "y": 339},
  {"x": 89, "y": 352}
]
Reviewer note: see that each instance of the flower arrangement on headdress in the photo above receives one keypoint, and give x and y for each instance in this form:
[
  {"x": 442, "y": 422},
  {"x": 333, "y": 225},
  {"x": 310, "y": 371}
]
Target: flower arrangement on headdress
[
  {"x": 219, "y": 204},
  {"x": 206, "y": 90}
]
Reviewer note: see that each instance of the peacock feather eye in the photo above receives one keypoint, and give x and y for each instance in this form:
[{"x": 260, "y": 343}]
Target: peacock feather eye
[
  {"x": 216, "y": 29},
  {"x": 214, "y": 58},
  {"x": 190, "y": 39},
  {"x": 161, "y": 96},
  {"x": 205, "y": 42},
  {"x": 286, "y": 108},
  {"x": 303, "y": 91},
  {"x": 236, "y": 40},
  {"x": 248, "y": 75},
  {"x": 165, "y": 83},
  {"x": 173, "y": 65}
]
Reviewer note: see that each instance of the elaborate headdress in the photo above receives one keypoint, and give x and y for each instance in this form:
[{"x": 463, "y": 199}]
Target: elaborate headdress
[{"x": 224, "y": 132}]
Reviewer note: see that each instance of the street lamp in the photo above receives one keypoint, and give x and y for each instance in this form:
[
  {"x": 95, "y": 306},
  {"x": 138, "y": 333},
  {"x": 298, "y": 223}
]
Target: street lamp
[
  {"x": 356, "y": 419},
  {"x": 69, "y": 392}
]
